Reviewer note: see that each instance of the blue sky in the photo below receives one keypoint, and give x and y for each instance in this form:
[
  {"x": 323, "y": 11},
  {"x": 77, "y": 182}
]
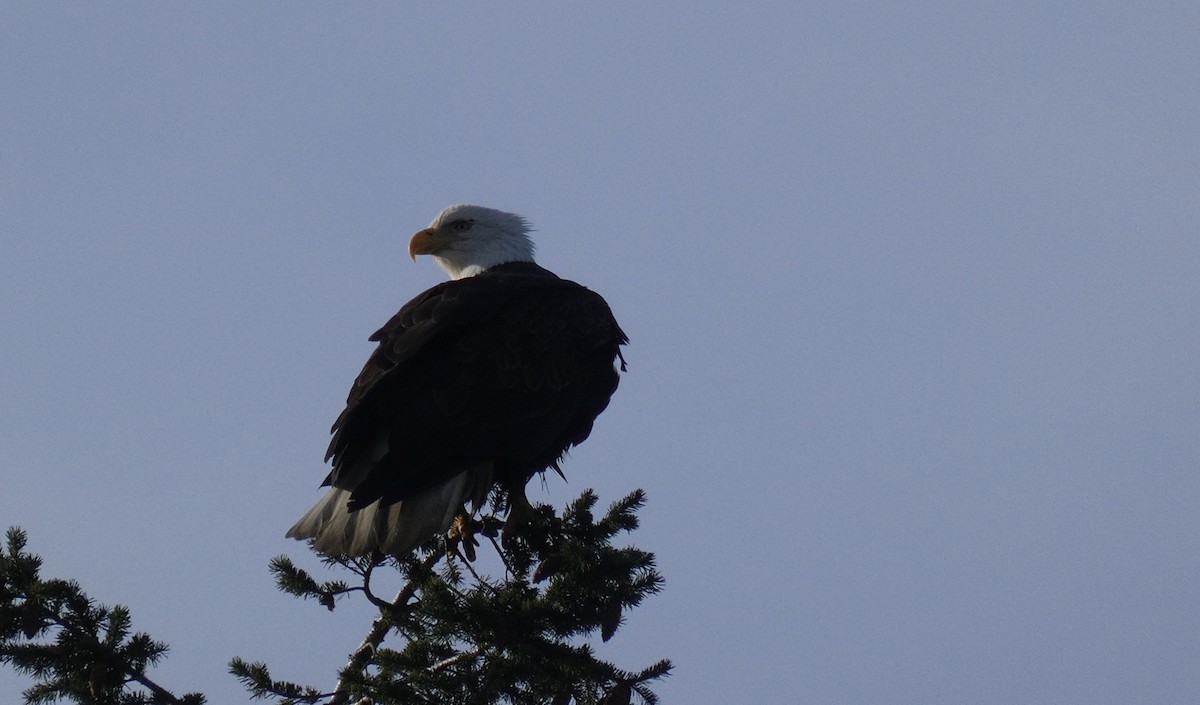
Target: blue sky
[{"x": 912, "y": 293}]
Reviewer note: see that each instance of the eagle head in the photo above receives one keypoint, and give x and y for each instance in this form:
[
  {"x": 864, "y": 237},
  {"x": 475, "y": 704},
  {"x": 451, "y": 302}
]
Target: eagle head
[{"x": 466, "y": 240}]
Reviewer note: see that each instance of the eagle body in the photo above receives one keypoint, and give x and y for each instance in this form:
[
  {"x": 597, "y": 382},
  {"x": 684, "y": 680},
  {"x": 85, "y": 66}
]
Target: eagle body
[{"x": 485, "y": 379}]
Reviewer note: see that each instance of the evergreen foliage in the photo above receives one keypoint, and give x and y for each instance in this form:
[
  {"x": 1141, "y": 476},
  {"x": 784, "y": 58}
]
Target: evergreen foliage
[
  {"x": 475, "y": 639},
  {"x": 467, "y": 637},
  {"x": 75, "y": 649}
]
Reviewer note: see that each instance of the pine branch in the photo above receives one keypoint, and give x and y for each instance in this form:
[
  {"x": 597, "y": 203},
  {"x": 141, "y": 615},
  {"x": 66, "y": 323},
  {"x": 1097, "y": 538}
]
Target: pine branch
[
  {"x": 468, "y": 637},
  {"x": 93, "y": 658},
  {"x": 375, "y": 636},
  {"x": 257, "y": 679},
  {"x": 456, "y": 658}
]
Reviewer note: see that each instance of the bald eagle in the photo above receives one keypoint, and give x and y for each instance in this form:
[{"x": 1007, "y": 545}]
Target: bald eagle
[{"x": 483, "y": 380}]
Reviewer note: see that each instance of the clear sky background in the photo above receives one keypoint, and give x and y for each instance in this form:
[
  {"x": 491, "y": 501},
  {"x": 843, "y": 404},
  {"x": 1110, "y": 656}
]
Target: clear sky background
[{"x": 912, "y": 290}]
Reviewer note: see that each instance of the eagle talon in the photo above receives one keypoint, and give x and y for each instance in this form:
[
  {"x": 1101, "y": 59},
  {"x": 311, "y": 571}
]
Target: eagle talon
[
  {"x": 462, "y": 534},
  {"x": 491, "y": 526}
]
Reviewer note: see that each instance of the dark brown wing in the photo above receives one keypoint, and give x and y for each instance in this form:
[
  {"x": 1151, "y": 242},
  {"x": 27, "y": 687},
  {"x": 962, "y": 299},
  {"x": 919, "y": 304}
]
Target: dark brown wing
[{"x": 511, "y": 366}]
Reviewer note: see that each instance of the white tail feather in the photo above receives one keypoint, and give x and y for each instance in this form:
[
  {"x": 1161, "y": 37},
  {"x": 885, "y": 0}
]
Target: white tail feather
[{"x": 396, "y": 528}]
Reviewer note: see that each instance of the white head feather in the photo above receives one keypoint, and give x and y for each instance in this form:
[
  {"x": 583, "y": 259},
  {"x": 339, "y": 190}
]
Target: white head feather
[{"x": 466, "y": 240}]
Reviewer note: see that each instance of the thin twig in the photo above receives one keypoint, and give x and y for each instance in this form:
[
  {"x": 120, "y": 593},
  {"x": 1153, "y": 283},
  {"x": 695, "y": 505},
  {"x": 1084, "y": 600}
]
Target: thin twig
[
  {"x": 508, "y": 571},
  {"x": 478, "y": 579},
  {"x": 158, "y": 691},
  {"x": 460, "y": 656},
  {"x": 366, "y": 588}
]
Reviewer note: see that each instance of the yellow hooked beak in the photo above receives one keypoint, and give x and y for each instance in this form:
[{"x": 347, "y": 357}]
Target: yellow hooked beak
[{"x": 427, "y": 242}]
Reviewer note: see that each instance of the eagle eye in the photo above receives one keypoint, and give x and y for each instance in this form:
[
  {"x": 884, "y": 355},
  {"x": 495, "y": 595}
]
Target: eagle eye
[{"x": 460, "y": 226}]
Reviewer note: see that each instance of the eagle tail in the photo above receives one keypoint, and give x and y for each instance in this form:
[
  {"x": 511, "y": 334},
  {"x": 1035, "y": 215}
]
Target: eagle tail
[{"x": 395, "y": 528}]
